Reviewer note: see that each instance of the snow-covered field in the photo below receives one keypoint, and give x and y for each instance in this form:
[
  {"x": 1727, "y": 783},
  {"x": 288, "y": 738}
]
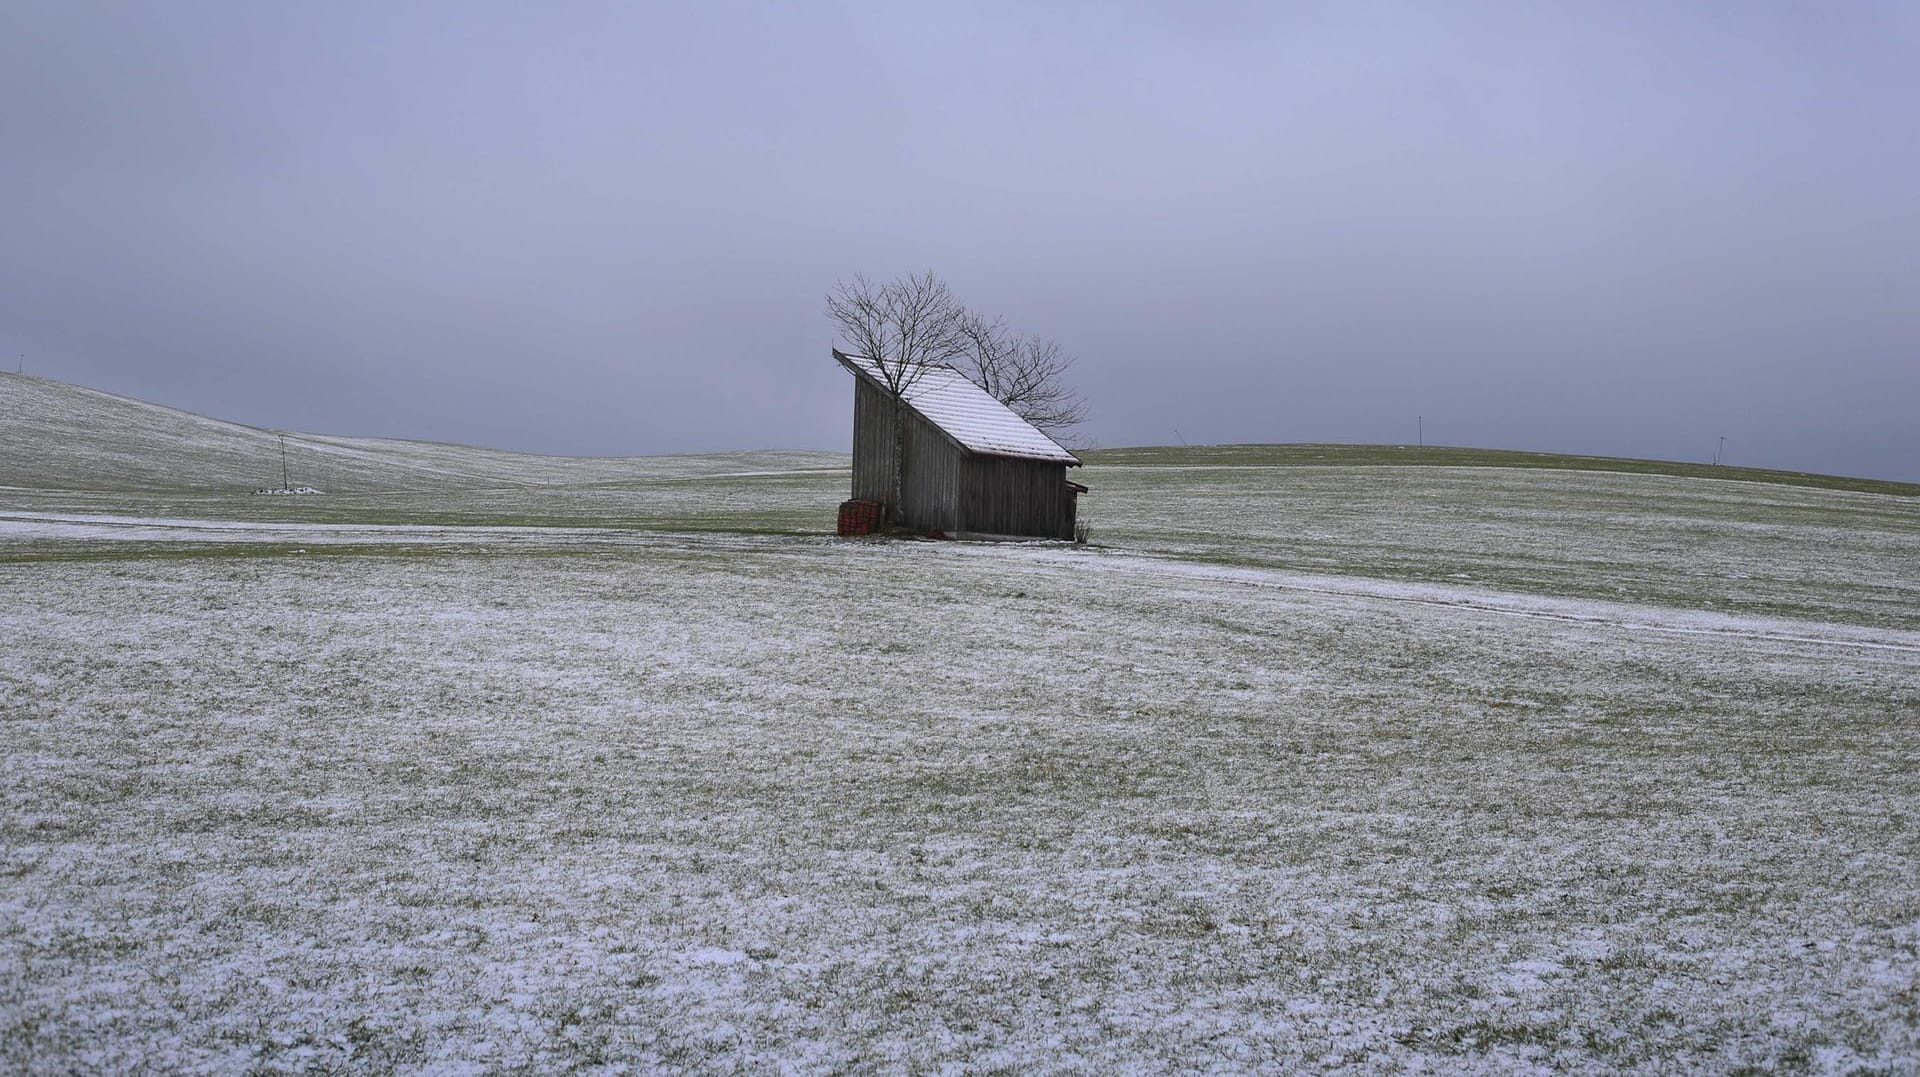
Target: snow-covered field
[{"x": 1325, "y": 768}]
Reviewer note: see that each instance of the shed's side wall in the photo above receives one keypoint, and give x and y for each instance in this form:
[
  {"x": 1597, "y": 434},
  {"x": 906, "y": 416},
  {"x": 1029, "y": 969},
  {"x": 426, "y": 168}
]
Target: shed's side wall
[
  {"x": 931, "y": 478},
  {"x": 930, "y": 472},
  {"x": 872, "y": 443},
  {"x": 1004, "y": 496}
]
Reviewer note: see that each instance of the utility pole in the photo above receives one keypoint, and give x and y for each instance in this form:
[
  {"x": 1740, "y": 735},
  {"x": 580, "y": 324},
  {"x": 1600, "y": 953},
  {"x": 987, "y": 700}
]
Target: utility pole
[
  {"x": 1719, "y": 450},
  {"x": 285, "y": 483},
  {"x": 1421, "y": 429}
]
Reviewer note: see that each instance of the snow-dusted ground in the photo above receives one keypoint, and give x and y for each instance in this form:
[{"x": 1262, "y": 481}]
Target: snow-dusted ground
[
  {"x": 1678, "y": 542},
  {"x": 491, "y": 762},
  {"x": 731, "y": 802}
]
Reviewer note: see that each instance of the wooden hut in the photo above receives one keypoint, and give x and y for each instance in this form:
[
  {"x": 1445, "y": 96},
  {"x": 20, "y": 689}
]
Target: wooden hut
[{"x": 970, "y": 465}]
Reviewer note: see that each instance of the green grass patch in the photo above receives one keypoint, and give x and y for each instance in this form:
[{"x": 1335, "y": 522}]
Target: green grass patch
[{"x": 1332, "y": 455}]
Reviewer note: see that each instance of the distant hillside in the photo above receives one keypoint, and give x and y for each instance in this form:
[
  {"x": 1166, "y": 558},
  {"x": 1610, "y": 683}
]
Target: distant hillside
[
  {"x": 1308, "y": 455},
  {"x": 59, "y": 436}
]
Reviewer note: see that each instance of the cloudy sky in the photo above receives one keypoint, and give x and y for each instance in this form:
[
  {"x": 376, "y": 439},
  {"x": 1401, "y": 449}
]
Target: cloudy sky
[{"x": 608, "y": 228}]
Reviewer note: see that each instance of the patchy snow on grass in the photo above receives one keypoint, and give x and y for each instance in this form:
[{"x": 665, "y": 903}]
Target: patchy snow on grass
[
  {"x": 493, "y": 762},
  {"x": 741, "y": 803},
  {"x": 1678, "y": 542}
]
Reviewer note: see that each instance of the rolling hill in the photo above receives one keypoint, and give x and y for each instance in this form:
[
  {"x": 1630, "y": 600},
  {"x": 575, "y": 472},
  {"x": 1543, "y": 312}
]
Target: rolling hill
[{"x": 54, "y": 435}]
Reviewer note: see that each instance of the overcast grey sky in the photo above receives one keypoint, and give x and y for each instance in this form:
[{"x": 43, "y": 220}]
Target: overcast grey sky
[{"x": 608, "y": 228}]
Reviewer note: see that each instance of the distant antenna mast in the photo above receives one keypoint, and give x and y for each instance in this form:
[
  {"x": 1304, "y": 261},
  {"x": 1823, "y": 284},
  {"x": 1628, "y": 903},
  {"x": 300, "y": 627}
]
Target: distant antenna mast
[
  {"x": 1719, "y": 450},
  {"x": 285, "y": 483},
  {"x": 1420, "y": 429}
]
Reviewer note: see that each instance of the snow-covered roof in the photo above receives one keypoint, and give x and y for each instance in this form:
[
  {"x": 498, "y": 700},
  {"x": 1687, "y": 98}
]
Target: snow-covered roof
[{"x": 968, "y": 414}]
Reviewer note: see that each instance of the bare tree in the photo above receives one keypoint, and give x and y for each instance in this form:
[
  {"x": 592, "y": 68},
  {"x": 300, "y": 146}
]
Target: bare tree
[
  {"x": 905, "y": 327},
  {"x": 1027, "y": 374}
]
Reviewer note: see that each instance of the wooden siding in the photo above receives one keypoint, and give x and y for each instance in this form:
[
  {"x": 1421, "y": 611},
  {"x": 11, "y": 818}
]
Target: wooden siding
[
  {"x": 1007, "y": 496},
  {"x": 930, "y": 469},
  {"x": 931, "y": 478},
  {"x": 872, "y": 443}
]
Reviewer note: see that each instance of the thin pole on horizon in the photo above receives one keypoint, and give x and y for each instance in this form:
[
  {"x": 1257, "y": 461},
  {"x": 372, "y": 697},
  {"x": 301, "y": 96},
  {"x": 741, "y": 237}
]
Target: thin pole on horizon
[
  {"x": 285, "y": 482},
  {"x": 1177, "y": 437},
  {"x": 1719, "y": 450},
  {"x": 1421, "y": 429}
]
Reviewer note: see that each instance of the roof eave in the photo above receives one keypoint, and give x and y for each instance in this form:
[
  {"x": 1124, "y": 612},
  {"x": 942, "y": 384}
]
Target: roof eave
[{"x": 1071, "y": 461}]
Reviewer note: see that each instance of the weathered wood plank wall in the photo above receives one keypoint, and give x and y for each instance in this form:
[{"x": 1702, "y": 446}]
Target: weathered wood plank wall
[
  {"x": 931, "y": 483},
  {"x": 872, "y": 443},
  {"x": 1005, "y": 496},
  {"x": 930, "y": 470}
]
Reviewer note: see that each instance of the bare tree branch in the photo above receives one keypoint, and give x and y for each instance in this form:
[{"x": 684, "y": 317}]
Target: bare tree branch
[
  {"x": 991, "y": 348},
  {"x": 1027, "y": 374},
  {"x": 906, "y": 326}
]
